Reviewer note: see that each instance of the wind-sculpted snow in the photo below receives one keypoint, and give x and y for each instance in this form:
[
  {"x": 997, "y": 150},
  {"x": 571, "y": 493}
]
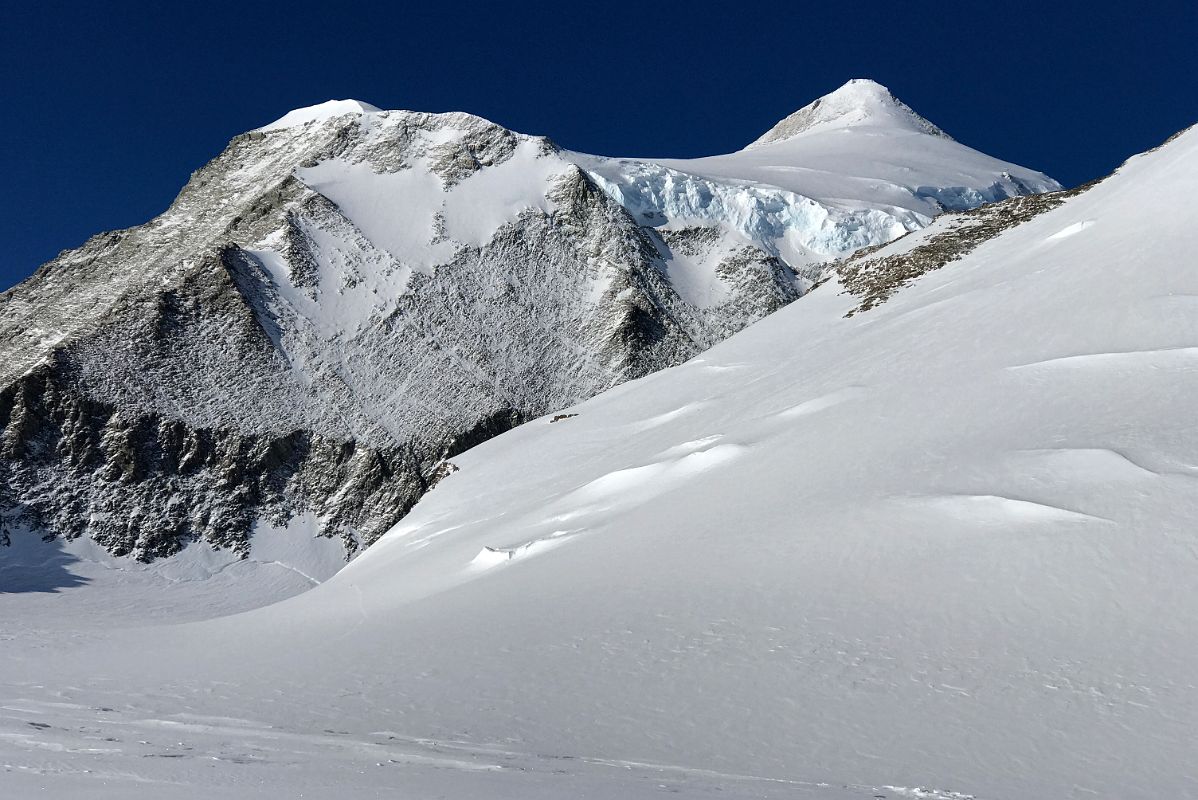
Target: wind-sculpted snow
[{"x": 345, "y": 298}]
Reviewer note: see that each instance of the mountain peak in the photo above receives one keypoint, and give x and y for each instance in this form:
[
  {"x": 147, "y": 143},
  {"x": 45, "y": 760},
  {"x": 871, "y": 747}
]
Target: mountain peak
[
  {"x": 863, "y": 90},
  {"x": 860, "y": 102},
  {"x": 320, "y": 111}
]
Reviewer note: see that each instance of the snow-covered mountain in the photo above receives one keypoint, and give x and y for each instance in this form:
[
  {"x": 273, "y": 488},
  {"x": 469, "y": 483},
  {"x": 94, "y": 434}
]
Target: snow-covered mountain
[
  {"x": 347, "y": 297},
  {"x": 928, "y": 533}
]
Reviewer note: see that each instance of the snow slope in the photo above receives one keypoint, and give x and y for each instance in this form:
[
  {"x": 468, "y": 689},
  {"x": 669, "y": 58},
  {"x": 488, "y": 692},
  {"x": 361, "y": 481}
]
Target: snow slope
[{"x": 944, "y": 543}]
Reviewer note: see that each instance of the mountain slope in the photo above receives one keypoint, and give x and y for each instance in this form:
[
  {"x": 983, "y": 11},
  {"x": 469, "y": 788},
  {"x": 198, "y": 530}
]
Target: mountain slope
[{"x": 345, "y": 298}]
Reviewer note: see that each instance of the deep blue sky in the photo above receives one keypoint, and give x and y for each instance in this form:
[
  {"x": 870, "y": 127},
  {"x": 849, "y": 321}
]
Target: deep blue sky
[{"x": 108, "y": 107}]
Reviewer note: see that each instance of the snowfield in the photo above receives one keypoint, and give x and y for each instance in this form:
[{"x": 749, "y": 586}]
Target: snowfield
[{"x": 944, "y": 548}]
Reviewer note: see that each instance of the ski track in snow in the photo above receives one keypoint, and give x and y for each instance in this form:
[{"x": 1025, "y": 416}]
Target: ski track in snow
[{"x": 992, "y": 509}]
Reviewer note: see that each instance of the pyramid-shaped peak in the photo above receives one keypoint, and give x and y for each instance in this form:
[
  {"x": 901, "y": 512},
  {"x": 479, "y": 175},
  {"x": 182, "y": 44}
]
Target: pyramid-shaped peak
[
  {"x": 860, "y": 102},
  {"x": 320, "y": 111}
]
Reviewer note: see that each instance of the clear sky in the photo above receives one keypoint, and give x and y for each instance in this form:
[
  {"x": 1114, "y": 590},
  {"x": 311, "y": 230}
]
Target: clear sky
[{"x": 106, "y": 108}]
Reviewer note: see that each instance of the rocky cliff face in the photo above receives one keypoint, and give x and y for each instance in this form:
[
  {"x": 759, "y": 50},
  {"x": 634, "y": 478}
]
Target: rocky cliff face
[{"x": 332, "y": 309}]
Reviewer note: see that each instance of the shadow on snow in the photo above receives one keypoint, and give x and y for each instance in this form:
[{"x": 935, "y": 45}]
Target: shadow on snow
[{"x": 30, "y": 564}]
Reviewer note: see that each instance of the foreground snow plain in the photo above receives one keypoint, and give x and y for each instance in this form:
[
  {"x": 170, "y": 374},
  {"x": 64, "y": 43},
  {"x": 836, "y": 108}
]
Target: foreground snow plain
[{"x": 943, "y": 549}]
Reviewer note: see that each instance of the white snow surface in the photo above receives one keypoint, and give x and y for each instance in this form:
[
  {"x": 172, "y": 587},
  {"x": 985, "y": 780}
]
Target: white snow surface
[
  {"x": 944, "y": 549},
  {"x": 320, "y": 112}
]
